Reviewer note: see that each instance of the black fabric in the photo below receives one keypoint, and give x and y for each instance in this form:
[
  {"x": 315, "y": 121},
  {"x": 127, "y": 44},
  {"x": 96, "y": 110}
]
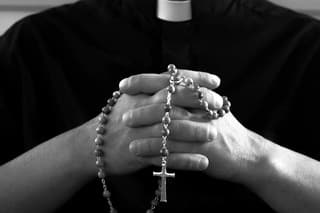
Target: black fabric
[{"x": 57, "y": 68}]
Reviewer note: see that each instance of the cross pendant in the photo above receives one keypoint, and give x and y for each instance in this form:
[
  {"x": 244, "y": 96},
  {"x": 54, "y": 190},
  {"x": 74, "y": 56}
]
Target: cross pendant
[{"x": 164, "y": 175}]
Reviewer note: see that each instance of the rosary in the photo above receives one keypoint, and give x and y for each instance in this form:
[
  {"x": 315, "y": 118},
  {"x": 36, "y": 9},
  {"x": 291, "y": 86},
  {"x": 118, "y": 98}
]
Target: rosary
[{"x": 174, "y": 81}]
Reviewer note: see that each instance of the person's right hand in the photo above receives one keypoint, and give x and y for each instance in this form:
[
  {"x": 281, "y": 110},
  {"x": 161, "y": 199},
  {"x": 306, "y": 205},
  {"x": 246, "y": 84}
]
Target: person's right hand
[{"x": 118, "y": 159}]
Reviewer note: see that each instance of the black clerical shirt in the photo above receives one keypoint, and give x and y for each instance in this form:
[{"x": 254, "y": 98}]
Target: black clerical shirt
[{"x": 58, "y": 67}]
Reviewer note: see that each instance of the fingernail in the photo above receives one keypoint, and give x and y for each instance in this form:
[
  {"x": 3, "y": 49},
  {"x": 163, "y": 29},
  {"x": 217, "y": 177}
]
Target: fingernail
[
  {"x": 215, "y": 80},
  {"x": 123, "y": 83},
  {"x": 134, "y": 147},
  {"x": 126, "y": 117},
  {"x": 203, "y": 163},
  {"x": 213, "y": 133}
]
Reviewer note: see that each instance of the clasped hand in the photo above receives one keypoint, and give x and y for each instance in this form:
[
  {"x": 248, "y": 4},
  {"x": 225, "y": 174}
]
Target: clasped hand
[{"x": 222, "y": 148}]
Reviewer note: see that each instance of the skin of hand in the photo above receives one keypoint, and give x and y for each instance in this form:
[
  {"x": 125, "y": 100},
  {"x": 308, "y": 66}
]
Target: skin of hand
[
  {"x": 233, "y": 154},
  {"x": 286, "y": 180},
  {"x": 118, "y": 158},
  {"x": 65, "y": 163}
]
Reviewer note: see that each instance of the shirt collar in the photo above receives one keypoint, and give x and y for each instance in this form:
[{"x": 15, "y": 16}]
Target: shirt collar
[
  {"x": 147, "y": 9},
  {"x": 175, "y": 11},
  {"x": 143, "y": 13}
]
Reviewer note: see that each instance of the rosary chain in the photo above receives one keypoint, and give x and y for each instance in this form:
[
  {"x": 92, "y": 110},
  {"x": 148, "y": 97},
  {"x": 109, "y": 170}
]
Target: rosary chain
[{"x": 99, "y": 141}]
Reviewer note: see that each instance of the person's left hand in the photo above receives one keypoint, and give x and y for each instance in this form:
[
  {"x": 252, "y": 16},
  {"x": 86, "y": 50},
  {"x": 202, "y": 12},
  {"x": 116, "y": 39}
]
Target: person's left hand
[{"x": 233, "y": 155}]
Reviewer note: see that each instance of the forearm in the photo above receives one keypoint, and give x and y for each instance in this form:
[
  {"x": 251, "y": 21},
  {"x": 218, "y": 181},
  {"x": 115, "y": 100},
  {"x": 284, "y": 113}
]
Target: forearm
[
  {"x": 45, "y": 177},
  {"x": 288, "y": 181}
]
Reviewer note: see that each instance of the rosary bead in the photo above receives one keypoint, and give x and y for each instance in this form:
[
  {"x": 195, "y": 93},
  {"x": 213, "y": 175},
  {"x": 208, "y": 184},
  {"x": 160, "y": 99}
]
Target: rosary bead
[
  {"x": 189, "y": 82},
  {"x": 103, "y": 118},
  {"x": 175, "y": 79},
  {"x": 226, "y": 108},
  {"x": 213, "y": 114},
  {"x": 158, "y": 192},
  {"x": 164, "y": 152},
  {"x": 106, "y": 110},
  {"x": 116, "y": 94},
  {"x": 205, "y": 105},
  {"x": 99, "y": 163},
  {"x": 167, "y": 107},
  {"x": 171, "y": 89},
  {"x": 98, "y": 152},
  {"x": 172, "y": 69},
  {"x": 106, "y": 194},
  {"x": 164, "y": 162},
  {"x": 166, "y": 120},
  {"x": 99, "y": 140},
  {"x": 101, "y": 174},
  {"x": 113, "y": 210},
  {"x": 154, "y": 202},
  {"x": 221, "y": 112},
  {"x": 228, "y": 103},
  {"x": 225, "y": 98},
  {"x": 200, "y": 95},
  {"x": 112, "y": 101},
  {"x": 101, "y": 130}
]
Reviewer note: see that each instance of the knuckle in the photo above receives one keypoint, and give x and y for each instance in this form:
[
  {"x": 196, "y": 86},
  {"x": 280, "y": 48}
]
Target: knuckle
[
  {"x": 192, "y": 163},
  {"x": 159, "y": 97},
  {"x": 199, "y": 132},
  {"x": 213, "y": 133},
  {"x": 148, "y": 146},
  {"x": 207, "y": 133},
  {"x": 175, "y": 127},
  {"x": 179, "y": 113},
  {"x": 202, "y": 76}
]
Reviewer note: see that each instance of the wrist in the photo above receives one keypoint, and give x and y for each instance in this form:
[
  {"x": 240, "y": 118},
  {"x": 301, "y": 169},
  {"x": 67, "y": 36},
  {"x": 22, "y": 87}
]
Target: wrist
[
  {"x": 260, "y": 170},
  {"x": 274, "y": 165},
  {"x": 82, "y": 148}
]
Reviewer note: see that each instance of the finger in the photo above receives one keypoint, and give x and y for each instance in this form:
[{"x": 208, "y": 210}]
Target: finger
[
  {"x": 182, "y": 161},
  {"x": 150, "y": 147},
  {"x": 203, "y": 79},
  {"x": 152, "y": 83},
  {"x": 152, "y": 114},
  {"x": 180, "y": 130},
  {"x": 189, "y": 98},
  {"x": 144, "y": 83}
]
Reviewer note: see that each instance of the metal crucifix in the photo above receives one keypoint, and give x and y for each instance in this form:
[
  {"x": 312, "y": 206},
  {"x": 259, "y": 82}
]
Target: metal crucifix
[{"x": 164, "y": 175}]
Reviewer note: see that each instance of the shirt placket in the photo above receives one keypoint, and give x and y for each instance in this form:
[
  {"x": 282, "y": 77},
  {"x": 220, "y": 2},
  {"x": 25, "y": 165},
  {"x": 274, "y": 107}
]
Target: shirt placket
[{"x": 176, "y": 47}]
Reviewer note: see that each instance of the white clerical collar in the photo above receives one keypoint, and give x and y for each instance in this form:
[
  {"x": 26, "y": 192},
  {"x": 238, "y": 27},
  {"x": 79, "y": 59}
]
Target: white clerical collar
[{"x": 173, "y": 10}]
